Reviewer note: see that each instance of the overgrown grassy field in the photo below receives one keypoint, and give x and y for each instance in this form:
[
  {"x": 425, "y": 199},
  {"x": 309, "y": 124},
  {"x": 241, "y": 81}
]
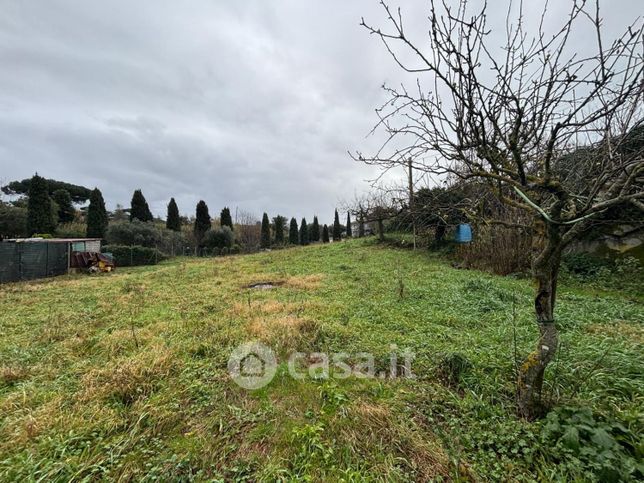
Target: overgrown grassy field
[{"x": 124, "y": 376}]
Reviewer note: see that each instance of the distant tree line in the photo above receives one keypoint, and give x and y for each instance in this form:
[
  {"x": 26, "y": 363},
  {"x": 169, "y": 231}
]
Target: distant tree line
[{"x": 47, "y": 209}]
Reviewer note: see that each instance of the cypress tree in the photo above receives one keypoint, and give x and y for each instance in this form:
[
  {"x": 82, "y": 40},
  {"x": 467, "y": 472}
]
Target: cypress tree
[
  {"x": 325, "y": 234},
  {"x": 349, "y": 234},
  {"x": 279, "y": 222},
  {"x": 315, "y": 230},
  {"x": 337, "y": 231},
  {"x": 225, "y": 219},
  {"x": 97, "y": 220},
  {"x": 139, "y": 209},
  {"x": 304, "y": 233},
  {"x": 293, "y": 236},
  {"x": 173, "y": 221},
  {"x": 202, "y": 222},
  {"x": 265, "y": 238},
  {"x": 66, "y": 211},
  {"x": 40, "y": 218}
]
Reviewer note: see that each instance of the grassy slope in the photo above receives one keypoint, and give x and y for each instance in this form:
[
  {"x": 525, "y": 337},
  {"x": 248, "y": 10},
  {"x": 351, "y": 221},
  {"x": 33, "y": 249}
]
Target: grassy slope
[{"x": 95, "y": 383}]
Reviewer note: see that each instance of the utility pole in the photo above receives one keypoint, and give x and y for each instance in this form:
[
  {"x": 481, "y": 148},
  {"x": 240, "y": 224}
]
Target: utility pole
[{"x": 411, "y": 201}]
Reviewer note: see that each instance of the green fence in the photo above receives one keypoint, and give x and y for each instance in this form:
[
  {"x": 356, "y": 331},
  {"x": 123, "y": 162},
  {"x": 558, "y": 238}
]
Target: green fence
[{"x": 30, "y": 260}]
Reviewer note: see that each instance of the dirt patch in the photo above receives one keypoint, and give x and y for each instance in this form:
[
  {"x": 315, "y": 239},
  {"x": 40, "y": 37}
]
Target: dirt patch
[{"x": 264, "y": 285}]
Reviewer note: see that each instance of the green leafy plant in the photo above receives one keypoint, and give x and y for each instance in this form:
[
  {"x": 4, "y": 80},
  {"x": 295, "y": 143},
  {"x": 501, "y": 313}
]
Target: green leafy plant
[{"x": 581, "y": 442}]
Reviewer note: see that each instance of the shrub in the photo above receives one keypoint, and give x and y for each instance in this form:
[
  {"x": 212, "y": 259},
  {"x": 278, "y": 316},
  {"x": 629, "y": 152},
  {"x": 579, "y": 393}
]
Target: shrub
[
  {"x": 496, "y": 248},
  {"x": 579, "y": 442},
  {"x": 71, "y": 230},
  {"x": 584, "y": 264},
  {"x": 134, "y": 233},
  {"x": 13, "y": 220},
  {"x": 216, "y": 240},
  {"x": 138, "y": 233},
  {"x": 622, "y": 273},
  {"x": 129, "y": 256}
]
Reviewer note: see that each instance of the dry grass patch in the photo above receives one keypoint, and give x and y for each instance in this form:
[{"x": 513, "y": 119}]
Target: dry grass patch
[
  {"x": 128, "y": 380},
  {"x": 120, "y": 341},
  {"x": 632, "y": 332},
  {"x": 374, "y": 426},
  {"x": 26, "y": 423},
  {"x": 10, "y": 375},
  {"x": 268, "y": 308},
  {"x": 284, "y": 331},
  {"x": 304, "y": 282}
]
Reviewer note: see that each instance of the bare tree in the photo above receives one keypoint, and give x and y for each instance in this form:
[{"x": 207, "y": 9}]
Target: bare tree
[
  {"x": 382, "y": 203},
  {"x": 514, "y": 118},
  {"x": 248, "y": 230}
]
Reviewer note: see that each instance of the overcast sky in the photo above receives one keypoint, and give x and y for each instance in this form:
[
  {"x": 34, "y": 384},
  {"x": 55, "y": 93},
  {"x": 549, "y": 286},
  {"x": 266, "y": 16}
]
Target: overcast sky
[{"x": 250, "y": 104}]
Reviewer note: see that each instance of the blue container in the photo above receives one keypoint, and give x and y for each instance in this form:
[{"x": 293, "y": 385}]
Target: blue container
[{"x": 463, "y": 233}]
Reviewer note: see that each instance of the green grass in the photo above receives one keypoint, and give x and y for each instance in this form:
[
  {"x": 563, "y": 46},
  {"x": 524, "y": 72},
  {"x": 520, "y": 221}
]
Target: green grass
[{"x": 124, "y": 375}]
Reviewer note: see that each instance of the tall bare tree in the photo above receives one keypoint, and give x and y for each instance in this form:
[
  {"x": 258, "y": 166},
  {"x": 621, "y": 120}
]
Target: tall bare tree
[
  {"x": 515, "y": 118},
  {"x": 382, "y": 203}
]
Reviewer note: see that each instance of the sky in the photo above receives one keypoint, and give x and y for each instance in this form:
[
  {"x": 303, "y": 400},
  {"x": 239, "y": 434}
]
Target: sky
[{"x": 250, "y": 104}]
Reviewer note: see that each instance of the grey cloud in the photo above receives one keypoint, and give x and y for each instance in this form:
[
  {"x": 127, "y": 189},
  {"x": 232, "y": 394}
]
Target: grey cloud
[{"x": 251, "y": 104}]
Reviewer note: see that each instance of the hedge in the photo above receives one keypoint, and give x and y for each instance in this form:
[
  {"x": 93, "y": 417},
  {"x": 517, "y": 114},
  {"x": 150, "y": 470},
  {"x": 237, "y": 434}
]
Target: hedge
[{"x": 128, "y": 256}]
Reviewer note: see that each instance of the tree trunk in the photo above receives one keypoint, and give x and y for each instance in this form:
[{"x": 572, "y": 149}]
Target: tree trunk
[
  {"x": 531, "y": 372},
  {"x": 440, "y": 233},
  {"x": 381, "y": 230}
]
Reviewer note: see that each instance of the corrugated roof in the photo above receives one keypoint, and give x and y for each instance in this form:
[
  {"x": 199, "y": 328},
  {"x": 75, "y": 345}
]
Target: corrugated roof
[{"x": 50, "y": 240}]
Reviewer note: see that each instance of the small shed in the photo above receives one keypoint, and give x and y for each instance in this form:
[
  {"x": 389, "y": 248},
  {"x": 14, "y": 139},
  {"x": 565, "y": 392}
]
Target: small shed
[{"x": 31, "y": 258}]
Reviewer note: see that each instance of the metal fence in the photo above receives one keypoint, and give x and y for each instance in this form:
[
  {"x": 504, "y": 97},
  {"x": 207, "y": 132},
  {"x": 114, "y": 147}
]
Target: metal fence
[{"x": 27, "y": 261}]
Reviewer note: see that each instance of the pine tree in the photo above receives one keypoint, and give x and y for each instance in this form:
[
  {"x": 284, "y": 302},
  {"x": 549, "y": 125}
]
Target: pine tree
[
  {"x": 265, "y": 236},
  {"x": 40, "y": 218},
  {"x": 293, "y": 235},
  {"x": 349, "y": 234},
  {"x": 337, "y": 230},
  {"x": 325, "y": 234},
  {"x": 97, "y": 220},
  {"x": 66, "y": 211},
  {"x": 173, "y": 220},
  {"x": 225, "y": 219},
  {"x": 139, "y": 209},
  {"x": 202, "y": 223},
  {"x": 315, "y": 230},
  {"x": 279, "y": 222},
  {"x": 304, "y": 233}
]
